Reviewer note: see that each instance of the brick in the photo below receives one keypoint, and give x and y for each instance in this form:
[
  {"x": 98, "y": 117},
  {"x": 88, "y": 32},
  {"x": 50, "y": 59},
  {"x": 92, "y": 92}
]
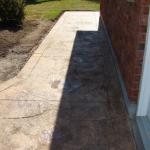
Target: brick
[{"x": 127, "y": 27}]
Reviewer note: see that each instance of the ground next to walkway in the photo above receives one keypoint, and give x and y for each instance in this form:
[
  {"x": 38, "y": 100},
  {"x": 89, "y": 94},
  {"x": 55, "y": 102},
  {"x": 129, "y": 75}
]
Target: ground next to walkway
[
  {"x": 67, "y": 97},
  {"x": 17, "y": 45}
]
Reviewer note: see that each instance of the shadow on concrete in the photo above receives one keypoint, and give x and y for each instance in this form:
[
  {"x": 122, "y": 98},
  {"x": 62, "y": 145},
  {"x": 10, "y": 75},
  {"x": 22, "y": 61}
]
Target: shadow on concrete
[{"x": 91, "y": 115}]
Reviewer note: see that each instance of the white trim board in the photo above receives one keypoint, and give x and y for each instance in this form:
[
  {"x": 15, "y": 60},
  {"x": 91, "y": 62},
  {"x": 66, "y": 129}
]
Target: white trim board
[{"x": 144, "y": 94}]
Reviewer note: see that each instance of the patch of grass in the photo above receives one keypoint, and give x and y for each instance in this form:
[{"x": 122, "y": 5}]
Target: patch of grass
[{"x": 51, "y": 9}]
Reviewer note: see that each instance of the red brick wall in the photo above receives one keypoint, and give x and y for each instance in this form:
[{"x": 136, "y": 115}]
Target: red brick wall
[{"x": 127, "y": 25}]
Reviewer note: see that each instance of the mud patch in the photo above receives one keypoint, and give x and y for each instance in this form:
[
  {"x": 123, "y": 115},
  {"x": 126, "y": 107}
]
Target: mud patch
[{"x": 17, "y": 45}]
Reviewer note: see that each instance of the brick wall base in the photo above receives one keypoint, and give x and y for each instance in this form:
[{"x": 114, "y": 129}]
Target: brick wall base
[{"x": 127, "y": 26}]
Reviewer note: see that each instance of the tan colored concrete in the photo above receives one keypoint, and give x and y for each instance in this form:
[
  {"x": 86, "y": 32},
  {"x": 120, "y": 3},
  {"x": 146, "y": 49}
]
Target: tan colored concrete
[{"x": 67, "y": 96}]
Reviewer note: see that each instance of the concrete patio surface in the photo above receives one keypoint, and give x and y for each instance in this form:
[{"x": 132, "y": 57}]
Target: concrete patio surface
[{"x": 67, "y": 97}]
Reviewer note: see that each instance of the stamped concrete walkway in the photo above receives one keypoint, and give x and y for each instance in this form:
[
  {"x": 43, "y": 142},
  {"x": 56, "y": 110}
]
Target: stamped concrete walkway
[{"x": 67, "y": 97}]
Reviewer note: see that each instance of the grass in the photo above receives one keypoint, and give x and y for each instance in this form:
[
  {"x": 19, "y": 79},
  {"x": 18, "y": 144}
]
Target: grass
[{"x": 51, "y": 9}]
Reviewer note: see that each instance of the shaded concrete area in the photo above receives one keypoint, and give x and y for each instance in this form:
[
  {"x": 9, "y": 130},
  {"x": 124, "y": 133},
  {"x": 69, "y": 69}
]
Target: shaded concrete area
[{"x": 67, "y": 97}]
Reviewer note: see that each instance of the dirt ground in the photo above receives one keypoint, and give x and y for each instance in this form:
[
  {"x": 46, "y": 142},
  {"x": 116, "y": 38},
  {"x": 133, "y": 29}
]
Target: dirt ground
[{"x": 17, "y": 45}]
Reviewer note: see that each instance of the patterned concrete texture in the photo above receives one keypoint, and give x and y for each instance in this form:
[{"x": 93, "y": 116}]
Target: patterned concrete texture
[{"x": 67, "y": 97}]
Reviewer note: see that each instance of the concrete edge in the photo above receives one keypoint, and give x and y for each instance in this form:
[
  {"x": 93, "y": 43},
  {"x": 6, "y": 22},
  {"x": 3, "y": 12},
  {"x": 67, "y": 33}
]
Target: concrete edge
[
  {"x": 22, "y": 75},
  {"x": 27, "y": 69},
  {"x": 131, "y": 107}
]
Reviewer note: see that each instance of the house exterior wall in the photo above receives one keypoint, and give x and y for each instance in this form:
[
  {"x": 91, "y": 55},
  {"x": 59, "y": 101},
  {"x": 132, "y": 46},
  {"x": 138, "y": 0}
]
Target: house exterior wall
[{"x": 127, "y": 26}]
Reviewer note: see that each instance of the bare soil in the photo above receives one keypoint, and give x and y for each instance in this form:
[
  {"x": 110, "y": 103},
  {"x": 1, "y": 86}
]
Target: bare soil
[{"x": 17, "y": 45}]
